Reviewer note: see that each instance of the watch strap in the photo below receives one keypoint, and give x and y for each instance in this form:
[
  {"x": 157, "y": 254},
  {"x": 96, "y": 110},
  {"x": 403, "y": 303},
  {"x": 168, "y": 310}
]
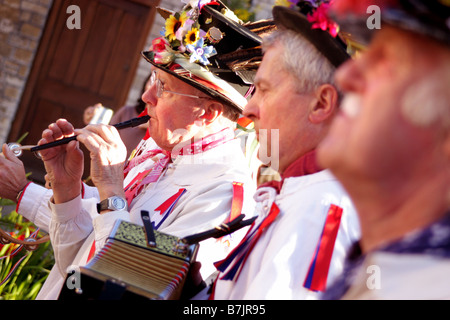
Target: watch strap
[
  {"x": 108, "y": 204},
  {"x": 102, "y": 205}
]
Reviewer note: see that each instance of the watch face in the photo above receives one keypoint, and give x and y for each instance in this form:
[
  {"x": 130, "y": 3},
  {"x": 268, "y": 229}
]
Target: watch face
[{"x": 118, "y": 203}]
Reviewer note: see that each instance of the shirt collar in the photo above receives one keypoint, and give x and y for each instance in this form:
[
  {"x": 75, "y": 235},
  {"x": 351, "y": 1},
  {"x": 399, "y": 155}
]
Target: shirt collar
[{"x": 306, "y": 164}]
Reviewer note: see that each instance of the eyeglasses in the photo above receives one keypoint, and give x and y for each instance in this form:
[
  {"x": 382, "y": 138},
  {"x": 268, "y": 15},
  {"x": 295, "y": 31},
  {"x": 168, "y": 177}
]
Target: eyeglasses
[{"x": 160, "y": 88}]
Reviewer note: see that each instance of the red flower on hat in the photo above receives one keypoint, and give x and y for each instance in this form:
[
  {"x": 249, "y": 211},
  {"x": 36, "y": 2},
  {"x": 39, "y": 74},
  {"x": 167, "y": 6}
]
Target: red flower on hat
[
  {"x": 161, "y": 51},
  {"x": 159, "y": 44},
  {"x": 320, "y": 20}
]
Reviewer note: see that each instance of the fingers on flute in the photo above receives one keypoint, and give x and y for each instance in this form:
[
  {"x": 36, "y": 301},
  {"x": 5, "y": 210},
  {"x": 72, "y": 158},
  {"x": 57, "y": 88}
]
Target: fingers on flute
[
  {"x": 61, "y": 128},
  {"x": 57, "y": 130},
  {"x": 65, "y": 126},
  {"x": 103, "y": 141},
  {"x": 47, "y": 136},
  {"x": 106, "y": 132},
  {"x": 99, "y": 135}
]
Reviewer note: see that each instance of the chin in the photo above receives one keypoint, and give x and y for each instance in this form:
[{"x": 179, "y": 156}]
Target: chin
[{"x": 328, "y": 153}]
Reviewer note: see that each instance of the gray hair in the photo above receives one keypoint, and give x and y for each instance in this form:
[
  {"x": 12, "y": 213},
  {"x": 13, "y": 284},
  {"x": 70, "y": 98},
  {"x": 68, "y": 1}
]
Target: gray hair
[
  {"x": 229, "y": 117},
  {"x": 302, "y": 60}
]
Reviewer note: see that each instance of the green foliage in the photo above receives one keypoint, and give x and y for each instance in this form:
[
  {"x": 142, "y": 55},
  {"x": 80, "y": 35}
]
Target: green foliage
[
  {"x": 242, "y": 8},
  {"x": 28, "y": 278}
]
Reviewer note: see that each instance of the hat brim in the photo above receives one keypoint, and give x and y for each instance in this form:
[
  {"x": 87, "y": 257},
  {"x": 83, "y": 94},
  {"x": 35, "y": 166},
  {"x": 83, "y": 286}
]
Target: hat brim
[
  {"x": 209, "y": 91},
  {"x": 334, "y": 49}
]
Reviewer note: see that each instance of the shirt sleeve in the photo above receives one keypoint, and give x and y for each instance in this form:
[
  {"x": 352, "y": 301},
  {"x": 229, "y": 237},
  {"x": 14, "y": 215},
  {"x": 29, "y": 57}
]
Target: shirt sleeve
[
  {"x": 70, "y": 225},
  {"x": 33, "y": 204}
]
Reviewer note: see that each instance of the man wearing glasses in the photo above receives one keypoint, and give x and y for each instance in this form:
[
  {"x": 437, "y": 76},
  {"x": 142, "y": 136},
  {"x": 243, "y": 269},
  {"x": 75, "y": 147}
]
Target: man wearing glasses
[{"x": 188, "y": 173}]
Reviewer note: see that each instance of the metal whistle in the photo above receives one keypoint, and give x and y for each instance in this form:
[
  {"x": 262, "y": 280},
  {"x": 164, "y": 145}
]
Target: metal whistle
[{"x": 18, "y": 149}]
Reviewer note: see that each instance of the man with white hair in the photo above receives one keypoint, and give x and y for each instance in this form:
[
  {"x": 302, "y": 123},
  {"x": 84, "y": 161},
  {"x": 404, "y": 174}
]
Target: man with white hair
[
  {"x": 390, "y": 148},
  {"x": 306, "y": 222}
]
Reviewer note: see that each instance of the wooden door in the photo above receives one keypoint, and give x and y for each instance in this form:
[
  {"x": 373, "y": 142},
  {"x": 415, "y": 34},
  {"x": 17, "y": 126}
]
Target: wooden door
[{"x": 75, "y": 68}]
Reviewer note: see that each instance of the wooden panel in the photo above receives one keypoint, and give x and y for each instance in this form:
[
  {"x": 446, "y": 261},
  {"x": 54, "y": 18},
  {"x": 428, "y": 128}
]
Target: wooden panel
[
  {"x": 93, "y": 57},
  {"x": 117, "y": 64}
]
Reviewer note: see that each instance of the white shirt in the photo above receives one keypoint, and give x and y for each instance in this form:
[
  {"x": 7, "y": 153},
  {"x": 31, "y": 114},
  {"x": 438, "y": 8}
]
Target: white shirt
[
  {"x": 207, "y": 178},
  {"x": 393, "y": 276},
  {"x": 278, "y": 264}
]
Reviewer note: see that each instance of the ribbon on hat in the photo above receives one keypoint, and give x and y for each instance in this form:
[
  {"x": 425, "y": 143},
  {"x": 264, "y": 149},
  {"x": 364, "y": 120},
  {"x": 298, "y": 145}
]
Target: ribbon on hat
[{"x": 208, "y": 79}]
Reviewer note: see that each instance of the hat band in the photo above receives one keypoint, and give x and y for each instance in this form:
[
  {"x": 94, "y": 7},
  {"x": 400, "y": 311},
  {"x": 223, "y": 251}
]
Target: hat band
[{"x": 209, "y": 80}]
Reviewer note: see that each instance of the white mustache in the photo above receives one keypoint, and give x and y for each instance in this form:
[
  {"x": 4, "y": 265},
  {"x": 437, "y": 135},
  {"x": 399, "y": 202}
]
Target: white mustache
[{"x": 351, "y": 104}]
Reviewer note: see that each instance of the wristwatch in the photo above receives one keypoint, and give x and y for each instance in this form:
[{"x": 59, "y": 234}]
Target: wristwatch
[{"x": 112, "y": 203}]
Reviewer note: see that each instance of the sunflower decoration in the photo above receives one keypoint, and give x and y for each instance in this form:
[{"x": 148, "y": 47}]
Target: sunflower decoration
[
  {"x": 173, "y": 24},
  {"x": 183, "y": 36},
  {"x": 192, "y": 36}
]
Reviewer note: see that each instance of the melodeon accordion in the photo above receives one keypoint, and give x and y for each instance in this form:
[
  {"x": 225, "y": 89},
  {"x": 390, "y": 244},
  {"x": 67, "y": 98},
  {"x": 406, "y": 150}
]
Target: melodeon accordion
[{"x": 128, "y": 267}]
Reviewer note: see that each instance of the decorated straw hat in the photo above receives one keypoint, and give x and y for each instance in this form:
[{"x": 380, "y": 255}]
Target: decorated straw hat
[
  {"x": 310, "y": 19},
  {"x": 430, "y": 18},
  {"x": 208, "y": 47}
]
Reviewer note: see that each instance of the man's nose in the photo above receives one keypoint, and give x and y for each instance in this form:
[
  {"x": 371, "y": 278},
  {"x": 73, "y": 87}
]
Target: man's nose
[
  {"x": 149, "y": 96},
  {"x": 349, "y": 77}
]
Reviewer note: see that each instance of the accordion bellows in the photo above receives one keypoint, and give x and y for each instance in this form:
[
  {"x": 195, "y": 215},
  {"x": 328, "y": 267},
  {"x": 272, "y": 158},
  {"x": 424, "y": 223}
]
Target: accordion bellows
[{"x": 152, "y": 272}]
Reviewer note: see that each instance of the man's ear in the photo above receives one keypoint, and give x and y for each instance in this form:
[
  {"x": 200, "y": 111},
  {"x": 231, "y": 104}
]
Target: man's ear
[
  {"x": 325, "y": 104},
  {"x": 211, "y": 111}
]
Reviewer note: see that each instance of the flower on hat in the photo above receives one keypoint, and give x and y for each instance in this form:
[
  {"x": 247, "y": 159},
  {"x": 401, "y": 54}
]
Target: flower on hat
[
  {"x": 162, "y": 53},
  {"x": 200, "y": 52},
  {"x": 183, "y": 37},
  {"x": 320, "y": 20},
  {"x": 192, "y": 36},
  {"x": 316, "y": 12},
  {"x": 173, "y": 23}
]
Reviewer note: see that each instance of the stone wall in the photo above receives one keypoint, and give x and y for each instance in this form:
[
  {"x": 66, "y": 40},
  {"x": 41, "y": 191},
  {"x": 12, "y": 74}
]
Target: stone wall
[{"x": 21, "y": 25}]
